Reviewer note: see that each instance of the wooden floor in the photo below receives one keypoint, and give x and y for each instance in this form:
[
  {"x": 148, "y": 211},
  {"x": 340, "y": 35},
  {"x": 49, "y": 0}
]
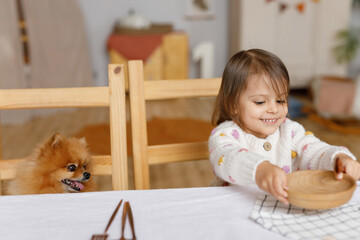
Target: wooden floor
[{"x": 19, "y": 140}]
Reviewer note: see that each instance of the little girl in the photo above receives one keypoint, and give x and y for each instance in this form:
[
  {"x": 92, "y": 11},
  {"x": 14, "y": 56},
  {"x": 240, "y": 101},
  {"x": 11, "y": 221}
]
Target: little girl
[{"x": 254, "y": 141}]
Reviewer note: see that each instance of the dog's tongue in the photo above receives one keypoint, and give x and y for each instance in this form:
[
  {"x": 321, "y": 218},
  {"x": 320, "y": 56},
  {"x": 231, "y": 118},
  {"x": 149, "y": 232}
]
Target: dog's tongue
[{"x": 79, "y": 185}]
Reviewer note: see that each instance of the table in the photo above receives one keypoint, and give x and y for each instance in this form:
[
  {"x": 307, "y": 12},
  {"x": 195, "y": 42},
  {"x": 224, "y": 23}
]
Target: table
[
  {"x": 165, "y": 56},
  {"x": 185, "y": 213}
]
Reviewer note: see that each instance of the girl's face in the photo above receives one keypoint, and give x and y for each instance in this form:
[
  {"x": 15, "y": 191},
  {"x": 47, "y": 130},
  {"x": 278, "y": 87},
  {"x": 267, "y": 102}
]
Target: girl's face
[{"x": 260, "y": 110}]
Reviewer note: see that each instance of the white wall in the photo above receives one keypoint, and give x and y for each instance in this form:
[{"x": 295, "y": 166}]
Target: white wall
[{"x": 100, "y": 17}]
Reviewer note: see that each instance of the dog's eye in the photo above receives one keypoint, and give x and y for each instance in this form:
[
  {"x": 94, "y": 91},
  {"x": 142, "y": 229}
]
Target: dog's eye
[{"x": 71, "y": 167}]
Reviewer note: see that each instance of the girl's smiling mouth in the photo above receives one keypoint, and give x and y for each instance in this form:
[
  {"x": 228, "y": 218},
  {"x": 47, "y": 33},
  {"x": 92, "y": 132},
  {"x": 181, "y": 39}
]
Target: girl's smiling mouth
[{"x": 272, "y": 120}]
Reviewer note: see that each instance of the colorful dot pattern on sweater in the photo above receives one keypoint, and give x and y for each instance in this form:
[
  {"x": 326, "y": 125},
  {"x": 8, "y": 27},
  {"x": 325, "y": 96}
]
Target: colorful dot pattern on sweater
[
  {"x": 221, "y": 160},
  {"x": 286, "y": 169},
  {"x": 231, "y": 179},
  {"x": 235, "y": 134},
  {"x": 213, "y": 131},
  {"x": 243, "y": 150}
]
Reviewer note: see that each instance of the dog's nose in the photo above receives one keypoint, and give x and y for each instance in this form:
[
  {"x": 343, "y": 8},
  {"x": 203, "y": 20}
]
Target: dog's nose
[{"x": 86, "y": 175}]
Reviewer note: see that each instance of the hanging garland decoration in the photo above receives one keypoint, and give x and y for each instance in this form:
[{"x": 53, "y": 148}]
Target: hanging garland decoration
[
  {"x": 299, "y": 6},
  {"x": 282, "y": 7}
]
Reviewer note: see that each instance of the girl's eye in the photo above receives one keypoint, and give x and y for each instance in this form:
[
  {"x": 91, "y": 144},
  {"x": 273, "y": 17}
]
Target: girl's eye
[
  {"x": 259, "y": 102},
  {"x": 71, "y": 168},
  {"x": 281, "y": 101}
]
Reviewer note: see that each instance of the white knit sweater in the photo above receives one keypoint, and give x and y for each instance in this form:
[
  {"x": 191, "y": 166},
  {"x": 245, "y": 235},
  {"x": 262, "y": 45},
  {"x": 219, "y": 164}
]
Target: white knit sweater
[{"x": 235, "y": 154}]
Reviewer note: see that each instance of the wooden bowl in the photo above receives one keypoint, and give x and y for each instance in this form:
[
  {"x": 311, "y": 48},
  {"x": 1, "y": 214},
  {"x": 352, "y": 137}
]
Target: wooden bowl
[{"x": 318, "y": 189}]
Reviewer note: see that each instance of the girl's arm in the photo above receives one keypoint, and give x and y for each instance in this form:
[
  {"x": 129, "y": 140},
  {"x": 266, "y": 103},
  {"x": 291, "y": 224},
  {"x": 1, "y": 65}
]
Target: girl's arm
[
  {"x": 230, "y": 157},
  {"x": 234, "y": 163},
  {"x": 313, "y": 153},
  {"x": 272, "y": 179}
]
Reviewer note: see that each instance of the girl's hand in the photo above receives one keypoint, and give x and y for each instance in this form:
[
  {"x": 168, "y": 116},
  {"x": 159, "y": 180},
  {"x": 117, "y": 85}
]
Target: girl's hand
[
  {"x": 272, "y": 179},
  {"x": 345, "y": 164}
]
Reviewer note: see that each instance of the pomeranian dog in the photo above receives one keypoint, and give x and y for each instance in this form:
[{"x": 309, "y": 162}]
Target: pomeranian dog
[{"x": 60, "y": 165}]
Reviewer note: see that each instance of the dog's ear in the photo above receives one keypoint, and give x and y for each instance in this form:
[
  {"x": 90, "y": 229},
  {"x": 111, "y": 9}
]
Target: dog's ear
[{"x": 55, "y": 140}]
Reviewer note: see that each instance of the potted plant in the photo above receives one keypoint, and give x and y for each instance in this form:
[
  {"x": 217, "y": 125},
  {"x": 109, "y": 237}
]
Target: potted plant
[
  {"x": 348, "y": 41},
  {"x": 338, "y": 97}
]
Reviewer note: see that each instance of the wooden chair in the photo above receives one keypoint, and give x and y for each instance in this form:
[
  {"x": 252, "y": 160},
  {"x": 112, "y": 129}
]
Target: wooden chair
[
  {"x": 140, "y": 91},
  {"x": 112, "y": 96}
]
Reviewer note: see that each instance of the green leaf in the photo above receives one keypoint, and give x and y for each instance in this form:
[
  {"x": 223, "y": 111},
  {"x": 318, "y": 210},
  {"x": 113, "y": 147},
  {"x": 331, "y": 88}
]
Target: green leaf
[{"x": 347, "y": 45}]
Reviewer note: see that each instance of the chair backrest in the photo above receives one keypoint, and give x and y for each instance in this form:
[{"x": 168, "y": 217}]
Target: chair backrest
[
  {"x": 112, "y": 96},
  {"x": 140, "y": 91}
]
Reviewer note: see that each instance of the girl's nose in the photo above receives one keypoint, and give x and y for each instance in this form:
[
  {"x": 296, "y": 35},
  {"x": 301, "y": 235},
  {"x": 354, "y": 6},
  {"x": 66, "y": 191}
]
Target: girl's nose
[{"x": 273, "y": 107}]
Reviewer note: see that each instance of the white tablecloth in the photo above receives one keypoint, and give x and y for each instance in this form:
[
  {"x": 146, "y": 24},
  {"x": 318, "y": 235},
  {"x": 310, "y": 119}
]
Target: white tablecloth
[{"x": 192, "y": 213}]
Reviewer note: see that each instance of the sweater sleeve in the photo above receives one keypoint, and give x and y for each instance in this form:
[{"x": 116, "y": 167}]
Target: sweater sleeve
[
  {"x": 230, "y": 157},
  {"x": 313, "y": 153}
]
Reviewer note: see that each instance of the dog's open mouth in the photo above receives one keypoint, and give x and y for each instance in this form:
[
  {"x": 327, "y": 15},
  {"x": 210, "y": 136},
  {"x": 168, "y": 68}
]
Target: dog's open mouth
[{"x": 74, "y": 185}]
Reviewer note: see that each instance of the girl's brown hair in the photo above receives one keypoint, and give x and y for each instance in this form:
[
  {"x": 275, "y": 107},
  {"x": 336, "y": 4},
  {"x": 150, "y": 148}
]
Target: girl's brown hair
[{"x": 236, "y": 74}]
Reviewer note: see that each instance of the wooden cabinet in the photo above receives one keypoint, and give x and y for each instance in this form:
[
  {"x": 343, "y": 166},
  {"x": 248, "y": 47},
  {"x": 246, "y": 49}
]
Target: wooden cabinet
[
  {"x": 302, "y": 39},
  {"x": 167, "y": 60}
]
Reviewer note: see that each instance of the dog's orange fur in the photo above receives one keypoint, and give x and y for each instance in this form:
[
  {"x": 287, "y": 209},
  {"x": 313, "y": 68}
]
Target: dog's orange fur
[{"x": 43, "y": 171}]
